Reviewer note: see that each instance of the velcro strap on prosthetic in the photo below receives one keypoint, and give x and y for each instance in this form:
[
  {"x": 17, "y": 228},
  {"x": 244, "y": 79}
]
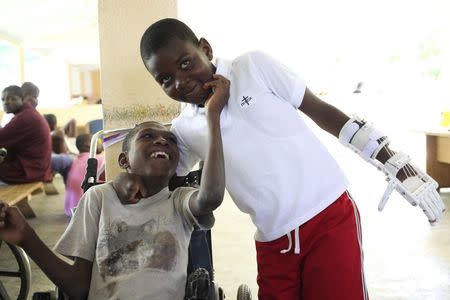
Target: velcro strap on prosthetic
[{"x": 362, "y": 138}]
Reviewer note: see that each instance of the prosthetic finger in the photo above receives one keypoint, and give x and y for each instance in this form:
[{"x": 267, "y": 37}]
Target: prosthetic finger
[
  {"x": 436, "y": 210},
  {"x": 437, "y": 199},
  {"x": 387, "y": 193},
  {"x": 436, "y": 203},
  {"x": 426, "y": 210}
]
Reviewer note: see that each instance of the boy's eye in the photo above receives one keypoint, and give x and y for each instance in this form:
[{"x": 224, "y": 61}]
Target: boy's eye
[
  {"x": 165, "y": 79},
  {"x": 185, "y": 64},
  {"x": 147, "y": 135}
]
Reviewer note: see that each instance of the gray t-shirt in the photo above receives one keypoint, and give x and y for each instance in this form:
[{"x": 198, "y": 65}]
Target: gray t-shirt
[{"x": 138, "y": 251}]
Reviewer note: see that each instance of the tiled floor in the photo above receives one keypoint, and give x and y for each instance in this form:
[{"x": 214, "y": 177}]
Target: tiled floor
[{"x": 405, "y": 258}]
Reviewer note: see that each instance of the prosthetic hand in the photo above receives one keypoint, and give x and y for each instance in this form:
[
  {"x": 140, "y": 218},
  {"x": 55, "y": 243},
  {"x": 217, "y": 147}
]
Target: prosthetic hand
[{"x": 418, "y": 188}]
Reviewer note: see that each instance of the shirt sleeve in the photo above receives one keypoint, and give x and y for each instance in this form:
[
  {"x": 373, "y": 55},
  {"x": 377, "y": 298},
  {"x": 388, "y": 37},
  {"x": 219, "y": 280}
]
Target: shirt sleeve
[
  {"x": 279, "y": 79},
  {"x": 80, "y": 237},
  {"x": 181, "y": 198},
  {"x": 187, "y": 158}
]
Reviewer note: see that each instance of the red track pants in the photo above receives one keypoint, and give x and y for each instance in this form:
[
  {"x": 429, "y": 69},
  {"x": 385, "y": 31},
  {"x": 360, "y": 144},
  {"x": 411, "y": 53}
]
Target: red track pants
[{"x": 330, "y": 262}]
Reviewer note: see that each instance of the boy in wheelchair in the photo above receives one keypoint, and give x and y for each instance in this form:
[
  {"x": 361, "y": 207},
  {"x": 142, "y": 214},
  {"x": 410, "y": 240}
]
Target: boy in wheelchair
[{"x": 136, "y": 251}]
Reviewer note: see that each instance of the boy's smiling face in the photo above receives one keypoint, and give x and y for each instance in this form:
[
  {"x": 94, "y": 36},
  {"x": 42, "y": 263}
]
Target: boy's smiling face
[
  {"x": 153, "y": 152},
  {"x": 181, "y": 69}
]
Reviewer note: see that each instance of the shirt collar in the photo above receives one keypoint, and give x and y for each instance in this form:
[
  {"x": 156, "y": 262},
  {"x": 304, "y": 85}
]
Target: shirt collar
[
  {"x": 24, "y": 107},
  {"x": 161, "y": 195},
  {"x": 223, "y": 67}
]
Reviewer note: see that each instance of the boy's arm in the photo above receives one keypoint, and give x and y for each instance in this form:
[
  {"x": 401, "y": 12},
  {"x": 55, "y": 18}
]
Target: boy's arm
[
  {"x": 212, "y": 184},
  {"x": 413, "y": 184},
  {"x": 74, "y": 279},
  {"x": 331, "y": 119},
  {"x": 326, "y": 116}
]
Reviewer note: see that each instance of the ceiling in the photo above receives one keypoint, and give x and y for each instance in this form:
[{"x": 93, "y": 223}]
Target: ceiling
[{"x": 67, "y": 28}]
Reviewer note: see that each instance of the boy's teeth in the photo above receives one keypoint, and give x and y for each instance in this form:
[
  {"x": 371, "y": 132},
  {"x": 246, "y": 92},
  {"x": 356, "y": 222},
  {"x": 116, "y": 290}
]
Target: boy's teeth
[{"x": 159, "y": 154}]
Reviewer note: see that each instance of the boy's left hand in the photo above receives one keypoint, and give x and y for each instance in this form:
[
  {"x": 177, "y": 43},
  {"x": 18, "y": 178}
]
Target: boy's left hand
[{"x": 219, "y": 97}]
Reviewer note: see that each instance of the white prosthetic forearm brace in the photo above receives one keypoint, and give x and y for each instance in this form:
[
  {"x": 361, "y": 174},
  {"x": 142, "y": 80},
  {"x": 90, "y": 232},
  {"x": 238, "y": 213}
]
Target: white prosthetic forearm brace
[{"x": 418, "y": 188}]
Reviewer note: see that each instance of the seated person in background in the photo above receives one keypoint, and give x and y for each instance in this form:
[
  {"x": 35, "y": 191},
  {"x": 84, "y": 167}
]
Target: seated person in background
[
  {"x": 58, "y": 143},
  {"x": 61, "y": 138},
  {"x": 26, "y": 138},
  {"x": 137, "y": 251},
  {"x": 78, "y": 170},
  {"x": 30, "y": 95},
  {"x": 70, "y": 128},
  {"x": 62, "y": 156}
]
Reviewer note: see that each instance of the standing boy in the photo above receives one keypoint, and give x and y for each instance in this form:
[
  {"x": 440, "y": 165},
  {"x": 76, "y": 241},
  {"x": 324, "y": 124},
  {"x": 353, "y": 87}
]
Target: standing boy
[
  {"x": 137, "y": 251},
  {"x": 308, "y": 238}
]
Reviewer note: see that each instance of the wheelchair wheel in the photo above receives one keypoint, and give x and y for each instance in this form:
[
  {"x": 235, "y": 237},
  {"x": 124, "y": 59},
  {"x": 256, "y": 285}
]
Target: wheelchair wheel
[
  {"x": 22, "y": 272},
  {"x": 218, "y": 293},
  {"x": 244, "y": 292}
]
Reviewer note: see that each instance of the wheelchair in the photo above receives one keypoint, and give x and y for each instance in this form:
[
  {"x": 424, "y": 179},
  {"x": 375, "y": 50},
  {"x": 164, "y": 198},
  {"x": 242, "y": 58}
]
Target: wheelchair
[
  {"x": 18, "y": 275},
  {"x": 200, "y": 283}
]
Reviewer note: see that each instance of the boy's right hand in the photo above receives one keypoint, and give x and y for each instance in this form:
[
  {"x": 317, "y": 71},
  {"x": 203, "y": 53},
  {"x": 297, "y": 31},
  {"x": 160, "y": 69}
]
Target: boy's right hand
[
  {"x": 13, "y": 227},
  {"x": 129, "y": 188}
]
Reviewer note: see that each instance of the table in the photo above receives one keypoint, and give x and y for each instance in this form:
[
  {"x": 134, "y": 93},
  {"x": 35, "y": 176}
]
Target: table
[{"x": 438, "y": 156}]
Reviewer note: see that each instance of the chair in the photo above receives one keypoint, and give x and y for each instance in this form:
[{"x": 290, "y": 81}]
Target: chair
[
  {"x": 95, "y": 125},
  {"x": 22, "y": 272},
  {"x": 200, "y": 247}
]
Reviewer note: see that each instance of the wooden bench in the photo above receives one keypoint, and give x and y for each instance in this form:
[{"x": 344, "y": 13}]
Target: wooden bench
[
  {"x": 50, "y": 188},
  {"x": 19, "y": 194}
]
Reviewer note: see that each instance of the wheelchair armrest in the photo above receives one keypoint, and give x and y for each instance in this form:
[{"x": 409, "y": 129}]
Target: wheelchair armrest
[{"x": 192, "y": 179}]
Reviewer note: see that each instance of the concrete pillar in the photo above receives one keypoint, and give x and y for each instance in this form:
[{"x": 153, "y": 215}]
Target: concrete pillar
[{"x": 129, "y": 94}]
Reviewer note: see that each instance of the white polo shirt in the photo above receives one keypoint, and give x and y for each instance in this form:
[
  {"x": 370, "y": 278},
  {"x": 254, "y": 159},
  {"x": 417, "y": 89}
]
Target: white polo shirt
[{"x": 276, "y": 169}]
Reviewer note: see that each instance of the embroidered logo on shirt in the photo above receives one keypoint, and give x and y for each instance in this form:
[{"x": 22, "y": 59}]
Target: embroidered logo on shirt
[{"x": 246, "y": 101}]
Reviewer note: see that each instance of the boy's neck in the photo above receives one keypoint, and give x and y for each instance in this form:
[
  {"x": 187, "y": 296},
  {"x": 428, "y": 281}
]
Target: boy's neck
[{"x": 154, "y": 185}]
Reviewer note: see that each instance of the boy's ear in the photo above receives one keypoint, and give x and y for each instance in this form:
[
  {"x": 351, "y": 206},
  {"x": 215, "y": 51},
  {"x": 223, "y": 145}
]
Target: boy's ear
[
  {"x": 123, "y": 161},
  {"x": 204, "y": 45}
]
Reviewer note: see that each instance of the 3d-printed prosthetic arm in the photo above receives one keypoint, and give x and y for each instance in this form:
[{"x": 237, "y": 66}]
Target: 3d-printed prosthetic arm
[{"x": 418, "y": 188}]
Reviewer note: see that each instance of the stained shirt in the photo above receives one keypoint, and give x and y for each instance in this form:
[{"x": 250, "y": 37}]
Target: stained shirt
[{"x": 139, "y": 251}]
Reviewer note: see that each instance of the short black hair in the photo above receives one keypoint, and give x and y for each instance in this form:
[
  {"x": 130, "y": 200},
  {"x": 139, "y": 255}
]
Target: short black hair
[
  {"x": 160, "y": 33},
  {"x": 15, "y": 90},
  {"x": 51, "y": 120},
  {"x": 29, "y": 88},
  {"x": 130, "y": 135},
  {"x": 81, "y": 139}
]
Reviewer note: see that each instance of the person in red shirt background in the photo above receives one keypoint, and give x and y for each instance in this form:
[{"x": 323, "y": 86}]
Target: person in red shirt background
[{"x": 27, "y": 141}]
